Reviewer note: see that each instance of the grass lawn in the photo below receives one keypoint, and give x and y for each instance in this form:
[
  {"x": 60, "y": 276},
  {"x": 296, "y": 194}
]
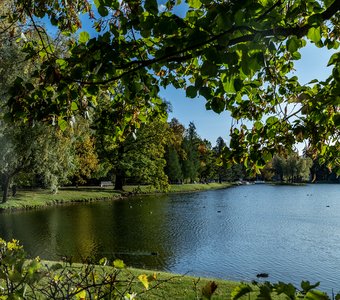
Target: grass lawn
[
  {"x": 30, "y": 199},
  {"x": 180, "y": 188},
  {"x": 183, "y": 287}
]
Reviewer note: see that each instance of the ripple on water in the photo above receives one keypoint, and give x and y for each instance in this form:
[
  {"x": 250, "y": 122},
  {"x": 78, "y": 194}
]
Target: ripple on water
[{"x": 288, "y": 232}]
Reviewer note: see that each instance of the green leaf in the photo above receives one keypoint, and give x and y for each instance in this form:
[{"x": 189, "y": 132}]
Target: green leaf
[
  {"x": 296, "y": 55},
  {"x": 56, "y": 267},
  {"x": 74, "y": 106},
  {"x": 195, "y": 3},
  {"x": 119, "y": 264},
  {"x": 228, "y": 84},
  {"x": 62, "y": 124},
  {"x": 287, "y": 289},
  {"x": 62, "y": 63},
  {"x": 265, "y": 290},
  {"x": 84, "y": 37},
  {"x": 328, "y": 3},
  {"x": 314, "y": 34},
  {"x": 81, "y": 295},
  {"x": 191, "y": 91},
  {"x": 205, "y": 92},
  {"x": 102, "y": 10},
  {"x": 335, "y": 58},
  {"x": 316, "y": 295},
  {"x": 239, "y": 17},
  {"x": 306, "y": 286},
  {"x": 336, "y": 120},
  {"x": 293, "y": 44},
  {"x": 217, "y": 105},
  {"x": 272, "y": 120},
  {"x": 209, "y": 69},
  {"x": 151, "y": 6},
  {"x": 241, "y": 290},
  {"x": 103, "y": 261},
  {"x": 267, "y": 156}
]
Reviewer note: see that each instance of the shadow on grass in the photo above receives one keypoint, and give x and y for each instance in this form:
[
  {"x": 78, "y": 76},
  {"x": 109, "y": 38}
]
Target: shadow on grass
[{"x": 88, "y": 189}]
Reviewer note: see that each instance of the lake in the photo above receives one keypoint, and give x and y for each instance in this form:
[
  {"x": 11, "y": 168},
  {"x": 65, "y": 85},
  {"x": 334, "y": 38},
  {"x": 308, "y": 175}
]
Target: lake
[{"x": 290, "y": 232}]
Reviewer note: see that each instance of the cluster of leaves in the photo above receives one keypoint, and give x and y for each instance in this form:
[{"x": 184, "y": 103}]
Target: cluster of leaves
[
  {"x": 237, "y": 55},
  {"x": 268, "y": 291},
  {"x": 21, "y": 278}
]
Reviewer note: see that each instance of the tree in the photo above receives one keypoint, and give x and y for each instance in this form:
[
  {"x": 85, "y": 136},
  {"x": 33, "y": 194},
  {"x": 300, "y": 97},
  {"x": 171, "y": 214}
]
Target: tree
[
  {"x": 86, "y": 158},
  {"x": 41, "y": 150},
  {"x": 143, "y": 157},
  {"x": 27, "y": 148},
  {"x": 278, "y": 166},
  {"x": 207, "y": 161},
  {"x": 238, "y": 55},
  {"x": 139, "y": 156},
  {"x": 293, "y": 168},
  {"x": 173, "y": 167},
  {"x": 174, "y": 152},
  {"x": 221, "y": 168},
  {"x": 191, "y": 163}
]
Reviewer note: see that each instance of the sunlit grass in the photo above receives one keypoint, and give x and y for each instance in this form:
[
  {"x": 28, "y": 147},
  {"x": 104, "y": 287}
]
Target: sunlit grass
[
  {"x": 179, "y": 188},
  {"x": 29, "y": 199},
  {"x": 166, "y": 285}
]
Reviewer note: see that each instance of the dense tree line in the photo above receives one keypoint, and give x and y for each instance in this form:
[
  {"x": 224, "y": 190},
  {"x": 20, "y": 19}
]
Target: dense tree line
[{"x": 101, "y": 93}]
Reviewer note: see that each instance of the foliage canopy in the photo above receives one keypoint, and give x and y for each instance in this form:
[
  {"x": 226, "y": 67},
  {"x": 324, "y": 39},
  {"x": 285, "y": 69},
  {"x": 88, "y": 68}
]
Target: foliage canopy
[{"x": 238, "y": 55}]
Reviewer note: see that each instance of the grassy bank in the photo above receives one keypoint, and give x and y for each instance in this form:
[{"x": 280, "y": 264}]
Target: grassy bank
[
  {"x": 31, "y": 199},
  {"x": 180, "y": 188},
  {"x": 184, "y": 287},
  {"x": 165, "y": 285}
]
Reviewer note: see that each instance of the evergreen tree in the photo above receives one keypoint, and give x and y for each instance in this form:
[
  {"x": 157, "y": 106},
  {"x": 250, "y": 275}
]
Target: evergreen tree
[
  {"x": 221, "y": 169},
  {"x": 191, "y": 164},
  {"x": 173, "y": 167}
]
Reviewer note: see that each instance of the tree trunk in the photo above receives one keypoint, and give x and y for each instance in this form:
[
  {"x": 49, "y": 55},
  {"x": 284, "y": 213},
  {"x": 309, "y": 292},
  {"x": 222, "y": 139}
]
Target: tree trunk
[
  {"x": 119, "y": 182},
  {"x": 5, "y": 188},
  {"x": 120, "y": 173}
]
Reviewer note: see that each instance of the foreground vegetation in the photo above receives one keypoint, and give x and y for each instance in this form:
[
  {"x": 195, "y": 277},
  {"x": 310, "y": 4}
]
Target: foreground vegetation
[
  {"x": 33, "y": 279},
  {"x": 30, "y": 199}
]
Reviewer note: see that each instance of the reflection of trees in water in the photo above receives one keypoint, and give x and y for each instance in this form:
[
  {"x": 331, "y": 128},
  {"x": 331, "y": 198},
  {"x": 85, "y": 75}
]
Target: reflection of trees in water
[{"x": 152, "y": 231}]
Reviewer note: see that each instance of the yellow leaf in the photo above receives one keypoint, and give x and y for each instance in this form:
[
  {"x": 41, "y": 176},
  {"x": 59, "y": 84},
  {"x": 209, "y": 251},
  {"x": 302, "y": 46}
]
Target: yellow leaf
[
  {"x": 144, "y": 279},
  {"x": 81, "y": 295}
]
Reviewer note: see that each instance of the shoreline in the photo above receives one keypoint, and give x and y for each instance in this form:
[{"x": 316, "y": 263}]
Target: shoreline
[{"x": 41, "y": 198}]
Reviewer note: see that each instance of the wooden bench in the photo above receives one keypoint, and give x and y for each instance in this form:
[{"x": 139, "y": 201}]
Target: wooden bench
[{"x": 105, "y": 183}]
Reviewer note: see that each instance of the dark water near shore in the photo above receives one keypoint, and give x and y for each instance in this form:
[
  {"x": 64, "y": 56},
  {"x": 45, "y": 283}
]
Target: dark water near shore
[{"x": 288, "y": 232}]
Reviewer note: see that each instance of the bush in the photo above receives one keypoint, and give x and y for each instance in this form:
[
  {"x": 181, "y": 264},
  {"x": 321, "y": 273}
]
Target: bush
[{"x": 21, "y": 278}]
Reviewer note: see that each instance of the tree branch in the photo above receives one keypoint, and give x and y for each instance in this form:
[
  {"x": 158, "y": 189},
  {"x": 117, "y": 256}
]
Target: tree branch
[{"x": 183, "y": 55}]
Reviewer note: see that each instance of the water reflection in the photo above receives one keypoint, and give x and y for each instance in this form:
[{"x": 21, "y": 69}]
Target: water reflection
[{"x": 292, "y": 233}]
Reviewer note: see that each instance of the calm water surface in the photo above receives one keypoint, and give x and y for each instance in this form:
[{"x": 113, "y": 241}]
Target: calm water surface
[{"x": 288, "y": 232}]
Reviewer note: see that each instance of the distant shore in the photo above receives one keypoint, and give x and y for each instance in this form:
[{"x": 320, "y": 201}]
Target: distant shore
[{"x": 40, "y": 198}]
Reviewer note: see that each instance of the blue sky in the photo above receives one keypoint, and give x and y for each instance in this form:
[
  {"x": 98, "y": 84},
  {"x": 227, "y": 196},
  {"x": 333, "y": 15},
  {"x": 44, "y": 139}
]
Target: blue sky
[{"x": 211, "y": 125}]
